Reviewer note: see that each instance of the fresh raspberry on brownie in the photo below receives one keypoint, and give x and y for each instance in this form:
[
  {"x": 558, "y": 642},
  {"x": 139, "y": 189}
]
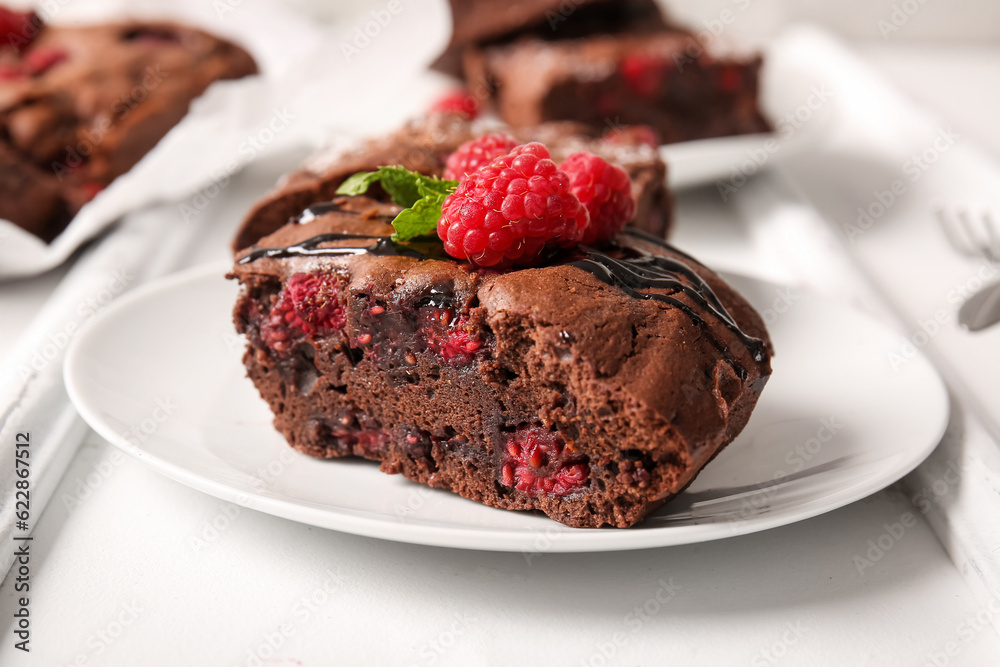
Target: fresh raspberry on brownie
[
  {"x": 18, "y": 29},
  {"x": 511, "y": 210},
  {"x": 605, "y": 190},
  {"x": 457, "y": 101},
  {"x": 477, "y": 153},
  {"x": 592, "y": 386}
]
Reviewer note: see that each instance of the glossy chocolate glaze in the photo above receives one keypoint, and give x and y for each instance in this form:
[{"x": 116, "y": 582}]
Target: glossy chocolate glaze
[
  {"x": 650, "y": 271},
  {"x": 656, "y": 272},
  {"x": 383, "y": 245},
  {"x": 316, "y": 210}
]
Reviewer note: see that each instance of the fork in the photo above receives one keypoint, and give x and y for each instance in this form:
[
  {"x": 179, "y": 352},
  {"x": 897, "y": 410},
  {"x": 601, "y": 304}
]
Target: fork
[
  {"x": 974, "y": 236},
  {"x": 970, "y": 235}
]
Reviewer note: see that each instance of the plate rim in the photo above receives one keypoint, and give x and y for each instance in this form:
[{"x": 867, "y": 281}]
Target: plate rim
[{"x": 564, "y": 538}]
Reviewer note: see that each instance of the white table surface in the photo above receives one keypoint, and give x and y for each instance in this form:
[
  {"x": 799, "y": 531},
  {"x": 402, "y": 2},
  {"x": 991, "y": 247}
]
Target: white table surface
[{"x": 140, "y": 570}]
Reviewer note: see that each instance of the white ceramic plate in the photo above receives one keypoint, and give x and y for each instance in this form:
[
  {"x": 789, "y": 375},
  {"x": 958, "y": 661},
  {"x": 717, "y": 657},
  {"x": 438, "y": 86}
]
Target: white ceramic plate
[
  {"x": 159, "y": 375},
  {"x": 720, "y": 160}
]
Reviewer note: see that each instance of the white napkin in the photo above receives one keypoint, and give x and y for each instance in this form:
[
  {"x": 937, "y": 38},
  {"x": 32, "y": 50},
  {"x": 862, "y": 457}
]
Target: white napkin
[{"x": 879, "y": 169}]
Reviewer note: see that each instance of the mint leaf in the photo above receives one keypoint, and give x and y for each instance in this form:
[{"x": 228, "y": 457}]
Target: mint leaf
[
  {"x": 400, "y": 184},
  {"x": 403, "y": 186},
  {"x": 422, "y": 196},
  {"x": 358, "y": 184},
  {"x": 419, "y": 220},
  {"x": 430, "y": 187}
]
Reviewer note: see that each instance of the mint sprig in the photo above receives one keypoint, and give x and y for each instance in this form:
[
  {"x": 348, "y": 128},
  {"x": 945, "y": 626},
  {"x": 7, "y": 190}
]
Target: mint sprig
[{"x": 421, "y": 196}]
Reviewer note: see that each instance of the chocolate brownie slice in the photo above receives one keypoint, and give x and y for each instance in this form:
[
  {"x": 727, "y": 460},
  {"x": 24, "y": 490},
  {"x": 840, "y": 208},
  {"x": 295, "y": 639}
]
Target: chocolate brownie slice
[
  {"x": 632, "y": 78},
  {"x": 477, "y": 22},
  {"x": 79, "y": 105},
  {"x": 601, "y": 62},
  {"x": 593, "y": 388},
  {"x": 423, "y": 145}
]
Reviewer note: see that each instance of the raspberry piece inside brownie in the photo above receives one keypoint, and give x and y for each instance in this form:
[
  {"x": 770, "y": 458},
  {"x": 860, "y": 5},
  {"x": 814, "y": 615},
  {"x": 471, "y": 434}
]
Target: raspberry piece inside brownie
[{"x": 537, "y": 461}]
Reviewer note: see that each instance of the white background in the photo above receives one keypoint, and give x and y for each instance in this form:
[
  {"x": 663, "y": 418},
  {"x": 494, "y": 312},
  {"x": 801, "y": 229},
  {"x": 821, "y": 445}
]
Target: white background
[{"x": 961, "y": 21}]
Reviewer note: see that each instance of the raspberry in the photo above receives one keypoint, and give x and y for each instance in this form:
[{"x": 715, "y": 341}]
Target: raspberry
[
  {"x": 608, "y": 104},
  {"x": 477, "y": 153},
  {"x": 418, "y": 443},
  {"x": 39, "y": 61},
  {"x": 643, "y": 73},
  {"x": 307, "y": 305},
  {"x": 606, "y": 190},
  {"x": 511, "y": 210},
  {"x": 629, "y": 135},
  {"x": 9, "y": 73},
  {"x": 730, "y": 78},
  {"x": 368, "y": 443},
  {"x": 90, "y": 190},
  {"x": 450, "y": 337},
  {"x": 458, "y": 101},
  {"x": 34, "y": 63},
  {"x": 18, "y": 29},
  {"x": 635, "y": 469},
  {"x": 536, "y": 461}
]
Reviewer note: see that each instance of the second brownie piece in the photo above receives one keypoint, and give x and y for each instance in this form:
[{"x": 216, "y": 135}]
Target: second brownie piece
[
  {"x": 604, "y": 63},
  {"x": 424, "y": 145},
  {"x": 606, "y": 80},
  {"x": 80, "y": 105}
]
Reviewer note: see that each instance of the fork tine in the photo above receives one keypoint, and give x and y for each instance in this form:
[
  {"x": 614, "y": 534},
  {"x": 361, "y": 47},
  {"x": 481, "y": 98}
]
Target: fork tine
[
  {"x": 993, "y": 234},
  {"x": 973, "y": 239},
  {"x": 945, "y": 224},
  {"x": 952, "y": 228}
]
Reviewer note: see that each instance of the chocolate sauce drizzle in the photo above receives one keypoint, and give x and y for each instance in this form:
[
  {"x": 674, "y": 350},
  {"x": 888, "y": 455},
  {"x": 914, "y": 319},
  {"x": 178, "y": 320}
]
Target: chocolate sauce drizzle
[
  {"x": 316, "y": 210},
  {"x": 648, "y": 271},
  {"x": 755, "y": 346},
  {"x": 629, "y": 274},
  {"x": 383, "y": 245},
  {"x": 656, "y": 240}
]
